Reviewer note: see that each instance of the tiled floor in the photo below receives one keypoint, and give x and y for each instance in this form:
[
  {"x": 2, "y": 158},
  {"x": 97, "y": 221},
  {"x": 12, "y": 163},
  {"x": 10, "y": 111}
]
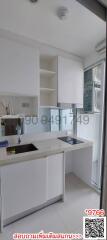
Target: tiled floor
[{"x": 60, "y": 217}]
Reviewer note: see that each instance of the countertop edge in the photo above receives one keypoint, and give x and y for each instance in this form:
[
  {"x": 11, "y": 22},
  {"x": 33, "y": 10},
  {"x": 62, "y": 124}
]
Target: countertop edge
[{"x": 25, "y": 157}]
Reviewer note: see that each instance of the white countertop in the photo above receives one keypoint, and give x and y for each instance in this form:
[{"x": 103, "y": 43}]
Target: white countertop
[{"x": 45, "y": 148}]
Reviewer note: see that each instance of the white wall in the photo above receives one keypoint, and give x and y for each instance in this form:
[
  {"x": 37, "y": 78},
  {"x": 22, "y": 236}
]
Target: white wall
[
  {"x": 44, "y": 49},
  {"x": 82, "y": 164},
  {"x": 93, "y": 58},
  {"x": 90, "y": 131},
  {"x": 68, "y": 163}
]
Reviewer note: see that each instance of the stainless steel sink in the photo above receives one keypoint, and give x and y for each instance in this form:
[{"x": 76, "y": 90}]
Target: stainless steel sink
[{"x": 21, "y": 149}]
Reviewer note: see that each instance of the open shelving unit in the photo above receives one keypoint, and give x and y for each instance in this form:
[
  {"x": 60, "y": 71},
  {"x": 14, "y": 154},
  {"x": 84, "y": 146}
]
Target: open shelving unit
[
  {"x": 48, "y": 73},
  {"x": 47, "y": 89},
  {"x": 48, "y": 82}
]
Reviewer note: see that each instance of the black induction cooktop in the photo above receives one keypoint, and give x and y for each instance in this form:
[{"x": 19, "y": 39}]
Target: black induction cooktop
[{"x": 70, "y": 140}]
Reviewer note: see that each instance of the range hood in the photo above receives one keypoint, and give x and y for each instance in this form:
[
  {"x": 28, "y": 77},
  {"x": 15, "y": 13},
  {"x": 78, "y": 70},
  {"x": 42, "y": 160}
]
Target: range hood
[
  {"x": 69, "y": 105},
  {"x": 65, "y": 105}
]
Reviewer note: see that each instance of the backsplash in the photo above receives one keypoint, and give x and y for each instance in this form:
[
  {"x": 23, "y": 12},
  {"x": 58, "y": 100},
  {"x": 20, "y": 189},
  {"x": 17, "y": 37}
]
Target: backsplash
[
  {"x": 49, "y": 120},
  {"x": 13, "y": 105}
]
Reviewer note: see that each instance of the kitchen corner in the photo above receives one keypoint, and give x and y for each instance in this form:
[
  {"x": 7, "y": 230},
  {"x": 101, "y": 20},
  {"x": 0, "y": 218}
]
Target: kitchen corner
[{"x": 44, "y": 170}]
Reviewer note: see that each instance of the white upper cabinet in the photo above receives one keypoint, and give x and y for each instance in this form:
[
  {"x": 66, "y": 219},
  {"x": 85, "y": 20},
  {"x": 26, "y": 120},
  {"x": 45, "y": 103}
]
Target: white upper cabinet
[
  {"x": 70, "y": 81},
  {"x": 19, "y": 68}
]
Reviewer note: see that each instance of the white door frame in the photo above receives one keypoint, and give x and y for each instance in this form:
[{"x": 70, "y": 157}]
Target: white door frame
[{"x": 97, "y": 8}]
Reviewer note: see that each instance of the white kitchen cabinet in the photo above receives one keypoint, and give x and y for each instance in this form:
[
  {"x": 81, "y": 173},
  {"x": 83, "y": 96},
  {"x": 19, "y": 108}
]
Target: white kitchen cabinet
[
  {"x": 29, "y": 185},
  {"x": 55, "y": 176},
  {"x": 19, "y": 69},
  {"x": 23, "y": 187},
  {"x": 70, "y": 81},
  {"x": 48, "y": 82}
]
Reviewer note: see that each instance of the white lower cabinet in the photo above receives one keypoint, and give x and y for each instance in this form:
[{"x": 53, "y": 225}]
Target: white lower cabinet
[
  {"x": 55, "y": 176},
  {"x": 23, "y": 187},
  {"x": 30, "y": 184}
]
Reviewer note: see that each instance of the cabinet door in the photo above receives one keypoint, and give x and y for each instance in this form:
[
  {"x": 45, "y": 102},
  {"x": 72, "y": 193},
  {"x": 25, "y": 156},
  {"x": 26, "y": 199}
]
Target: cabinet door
[
  {"x": 23, "y": 186},
  {"x": 19, "y": 68},
  {"x": 70, "y": 81},
  {"x": 55, "y": 176},
  {"x": 88, "y": 91}
]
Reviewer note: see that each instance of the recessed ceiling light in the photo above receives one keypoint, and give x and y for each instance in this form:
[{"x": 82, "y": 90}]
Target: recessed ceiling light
[
  {"x": 62, "y": 12},
  {"x": 33, "y": 1}
]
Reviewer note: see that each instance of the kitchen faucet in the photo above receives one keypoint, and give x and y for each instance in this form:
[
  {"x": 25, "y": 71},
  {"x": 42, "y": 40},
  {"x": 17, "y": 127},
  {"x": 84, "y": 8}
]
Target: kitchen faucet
[
  {"x": 19, "y": 139},
  {"x": 18, "y": 129}
]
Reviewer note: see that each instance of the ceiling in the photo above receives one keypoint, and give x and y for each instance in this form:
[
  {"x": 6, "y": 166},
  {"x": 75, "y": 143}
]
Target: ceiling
[
  {"x": 77, "y": 34},
  {"x": 104, "y": 2}
]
